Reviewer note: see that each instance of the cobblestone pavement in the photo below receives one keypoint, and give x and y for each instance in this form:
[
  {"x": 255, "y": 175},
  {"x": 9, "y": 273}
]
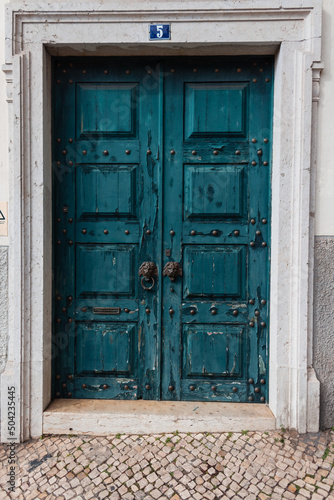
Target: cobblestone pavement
[{"x": 251, "y": 465}]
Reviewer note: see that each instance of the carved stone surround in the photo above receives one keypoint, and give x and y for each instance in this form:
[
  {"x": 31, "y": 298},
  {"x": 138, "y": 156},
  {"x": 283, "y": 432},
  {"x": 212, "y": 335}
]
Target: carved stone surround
[{"x": 290, "y": 29}]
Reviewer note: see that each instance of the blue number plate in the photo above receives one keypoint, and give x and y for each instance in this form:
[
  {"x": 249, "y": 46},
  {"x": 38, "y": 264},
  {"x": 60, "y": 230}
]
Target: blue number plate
[{"x": 159, "y": 31}]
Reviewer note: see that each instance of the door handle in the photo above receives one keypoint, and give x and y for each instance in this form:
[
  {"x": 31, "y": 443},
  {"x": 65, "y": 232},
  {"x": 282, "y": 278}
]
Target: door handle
[
  {"x": 148, "y": 270},
  {"x": 172, "y": 270}
]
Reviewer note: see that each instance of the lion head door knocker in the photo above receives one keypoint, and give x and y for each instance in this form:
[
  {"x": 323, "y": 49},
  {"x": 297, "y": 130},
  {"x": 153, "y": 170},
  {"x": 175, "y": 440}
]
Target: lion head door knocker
[
  {"x": 148, "y": 271},
  {"x": 172, "y": 270}
]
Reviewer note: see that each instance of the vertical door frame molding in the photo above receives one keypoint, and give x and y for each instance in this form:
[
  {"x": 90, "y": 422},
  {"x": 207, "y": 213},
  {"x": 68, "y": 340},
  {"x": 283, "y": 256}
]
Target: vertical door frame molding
[{"x": 290, "y": 29}]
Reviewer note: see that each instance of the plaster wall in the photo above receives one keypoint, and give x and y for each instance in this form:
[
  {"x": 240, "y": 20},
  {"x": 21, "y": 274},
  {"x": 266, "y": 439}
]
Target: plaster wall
[
  {"x": 324, "y": 213},
  {"x": 324, "y": 228},
  {"x": 324, "y": 331}
]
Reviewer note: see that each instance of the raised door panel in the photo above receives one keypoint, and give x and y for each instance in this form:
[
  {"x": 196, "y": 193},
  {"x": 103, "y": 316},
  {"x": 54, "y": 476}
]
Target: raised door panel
[
  {"x": 106, "y": 191},
  {"x": 105, "y": 348},
  {"x": 214, "y": 192},
  {"x": 106, "y": 109},
  {"x": 215, "y": 109},
  {"x": 212, "y": 351},
  {"x": 106, "y": 270},
  {"x": 212, "y": 271}
]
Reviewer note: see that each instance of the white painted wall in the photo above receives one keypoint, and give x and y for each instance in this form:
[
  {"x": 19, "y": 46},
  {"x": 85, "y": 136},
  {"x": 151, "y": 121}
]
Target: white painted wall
[
  {"x": 325, "y": 156},
  {"x": 3, "y": 119}
]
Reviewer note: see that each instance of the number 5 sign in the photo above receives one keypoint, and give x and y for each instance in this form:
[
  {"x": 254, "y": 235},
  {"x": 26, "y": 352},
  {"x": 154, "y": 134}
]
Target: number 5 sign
[{"x": 159, "y": 31}]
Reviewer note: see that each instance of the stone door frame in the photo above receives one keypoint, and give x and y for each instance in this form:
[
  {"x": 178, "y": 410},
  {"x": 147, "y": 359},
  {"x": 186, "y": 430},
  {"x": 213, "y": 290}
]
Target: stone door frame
[{"x": 290, "y": 29}]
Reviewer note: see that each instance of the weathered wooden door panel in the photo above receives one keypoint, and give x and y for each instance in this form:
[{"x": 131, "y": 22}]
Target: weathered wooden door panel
[
  {"x": 164, "y": 162},
  {"x": 217, "y": 123},
  {"x": 214, "y": 192},
  {"x": 104, "y": 191},
  {"x": 106, "y": 109},
  {"x": 107, "y": 212},
  {"x": 212, "y": 271},
  {"x": 215, "y": 109}
]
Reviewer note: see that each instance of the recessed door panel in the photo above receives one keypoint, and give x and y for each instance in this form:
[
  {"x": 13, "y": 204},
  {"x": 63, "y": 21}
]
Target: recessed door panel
[
  {"x": 212, "y": 351},
  {"x": 214, "y": 271},
  {"x": 106, "y": 109},
  {"x": 119, "y": 265},
  {"x": 215, "y": 109},
  {"x": 105, "y": 348},
  {"x": 214, "y": 192},
  {"x": 106, "y": 191}
]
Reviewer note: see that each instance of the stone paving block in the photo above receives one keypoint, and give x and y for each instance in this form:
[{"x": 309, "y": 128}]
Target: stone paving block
[
  {"x": 323, "y": 493},
  {"x": 208, "y": 485},
  {"x": 288, "y": 494}
]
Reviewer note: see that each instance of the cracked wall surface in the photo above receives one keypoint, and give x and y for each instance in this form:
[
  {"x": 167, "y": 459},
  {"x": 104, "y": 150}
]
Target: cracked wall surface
[{"x": 324, "y": 326}]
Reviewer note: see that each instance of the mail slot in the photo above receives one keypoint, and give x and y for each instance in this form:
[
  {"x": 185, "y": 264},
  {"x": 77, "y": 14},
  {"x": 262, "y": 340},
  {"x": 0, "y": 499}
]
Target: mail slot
[{"x": 106, "y": 310}]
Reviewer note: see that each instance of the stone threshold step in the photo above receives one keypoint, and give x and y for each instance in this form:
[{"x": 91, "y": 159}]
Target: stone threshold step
[{"x": 104, "y": 417}]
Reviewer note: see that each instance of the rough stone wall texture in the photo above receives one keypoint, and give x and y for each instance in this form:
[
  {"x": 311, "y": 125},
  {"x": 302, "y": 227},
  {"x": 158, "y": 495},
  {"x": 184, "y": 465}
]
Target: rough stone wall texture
[
  {"x": 324, "y": 326},
  {"x": 3, "y": 306}
]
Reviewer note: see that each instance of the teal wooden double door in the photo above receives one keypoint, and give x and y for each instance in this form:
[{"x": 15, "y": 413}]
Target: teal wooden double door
[{"x": 161, "y": 228}]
